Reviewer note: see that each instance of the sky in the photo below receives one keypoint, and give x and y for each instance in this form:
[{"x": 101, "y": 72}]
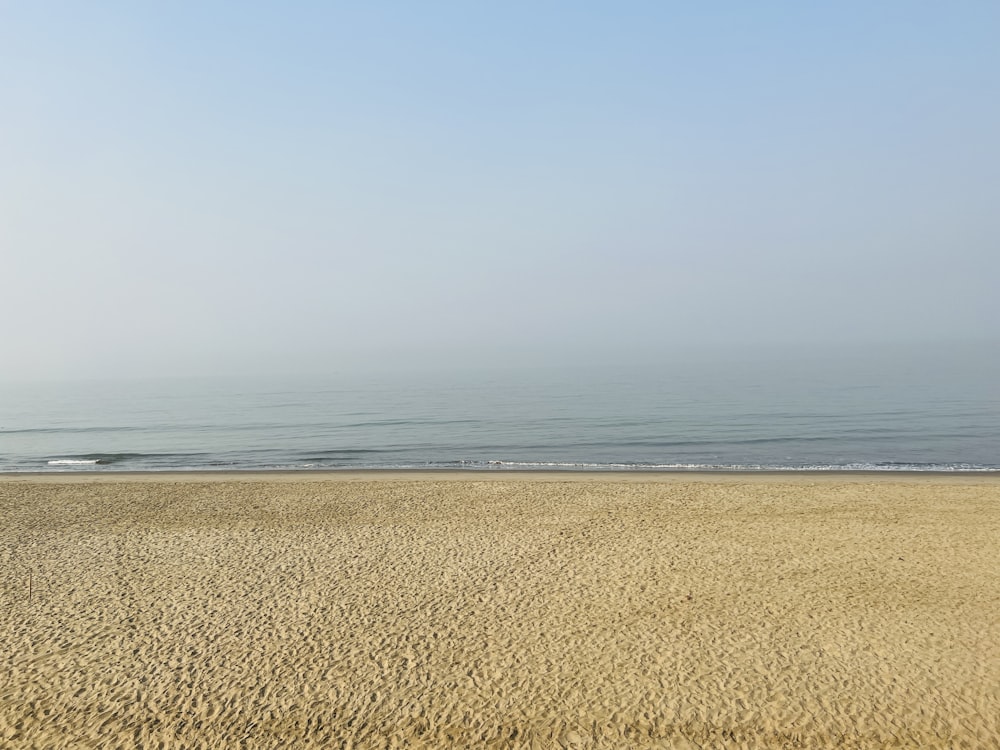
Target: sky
[{"x": 201, "y": 188}]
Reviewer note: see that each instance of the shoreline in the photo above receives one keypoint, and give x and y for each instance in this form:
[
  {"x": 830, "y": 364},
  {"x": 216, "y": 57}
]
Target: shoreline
[{"x": 500, "y": 475}]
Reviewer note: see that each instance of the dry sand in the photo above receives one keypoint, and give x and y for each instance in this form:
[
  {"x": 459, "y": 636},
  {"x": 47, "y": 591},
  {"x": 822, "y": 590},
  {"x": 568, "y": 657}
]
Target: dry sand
[{"x": 499, "y": 611}]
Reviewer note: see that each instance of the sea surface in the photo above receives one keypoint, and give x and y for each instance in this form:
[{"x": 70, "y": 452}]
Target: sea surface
[{"x": 920, "y": 410}]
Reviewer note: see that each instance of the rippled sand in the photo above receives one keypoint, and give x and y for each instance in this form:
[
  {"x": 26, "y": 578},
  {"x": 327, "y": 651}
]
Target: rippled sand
[{"x": 495, "y": 611}]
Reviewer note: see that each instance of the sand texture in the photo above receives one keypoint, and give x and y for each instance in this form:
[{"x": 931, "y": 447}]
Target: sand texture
[{"x": 500, "y": 612}]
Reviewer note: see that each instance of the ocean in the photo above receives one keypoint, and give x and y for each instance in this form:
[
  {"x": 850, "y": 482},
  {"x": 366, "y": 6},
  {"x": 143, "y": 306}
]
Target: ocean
[{"x": 921, "y": 410}]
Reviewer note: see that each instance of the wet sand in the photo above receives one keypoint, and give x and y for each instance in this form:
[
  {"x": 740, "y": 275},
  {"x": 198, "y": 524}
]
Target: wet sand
[{"x": 499, "y": 610}]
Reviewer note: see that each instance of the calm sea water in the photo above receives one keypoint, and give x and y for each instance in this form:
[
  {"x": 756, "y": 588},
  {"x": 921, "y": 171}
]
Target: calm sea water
[{"x": 930, "y": 411}]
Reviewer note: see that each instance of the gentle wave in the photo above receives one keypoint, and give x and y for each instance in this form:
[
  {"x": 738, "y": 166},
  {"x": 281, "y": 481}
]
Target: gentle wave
[
  {"x": 107, "y": 459},
  {"x": 338, "y": 452},
  {"x": 71, "y": 430},
  {"x": 175, "y": 462}
]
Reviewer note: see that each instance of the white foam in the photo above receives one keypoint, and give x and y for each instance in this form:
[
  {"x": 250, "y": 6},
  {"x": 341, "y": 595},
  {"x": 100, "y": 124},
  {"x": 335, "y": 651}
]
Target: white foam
[
  {"x": 73, "y": 462},
  {"x": 860, "y": 466}
]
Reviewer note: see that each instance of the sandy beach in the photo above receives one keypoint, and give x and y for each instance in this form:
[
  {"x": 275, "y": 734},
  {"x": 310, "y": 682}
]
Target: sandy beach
[{"x": 499, "y": 610}]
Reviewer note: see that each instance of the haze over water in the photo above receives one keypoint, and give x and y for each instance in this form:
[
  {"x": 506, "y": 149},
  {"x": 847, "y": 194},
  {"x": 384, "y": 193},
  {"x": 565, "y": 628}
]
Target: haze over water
[{"x": 198, "y": 189}]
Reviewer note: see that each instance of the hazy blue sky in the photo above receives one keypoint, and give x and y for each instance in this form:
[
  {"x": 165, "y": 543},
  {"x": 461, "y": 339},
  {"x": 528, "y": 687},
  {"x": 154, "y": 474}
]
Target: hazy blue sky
[{"x": 198, "y": 187}]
